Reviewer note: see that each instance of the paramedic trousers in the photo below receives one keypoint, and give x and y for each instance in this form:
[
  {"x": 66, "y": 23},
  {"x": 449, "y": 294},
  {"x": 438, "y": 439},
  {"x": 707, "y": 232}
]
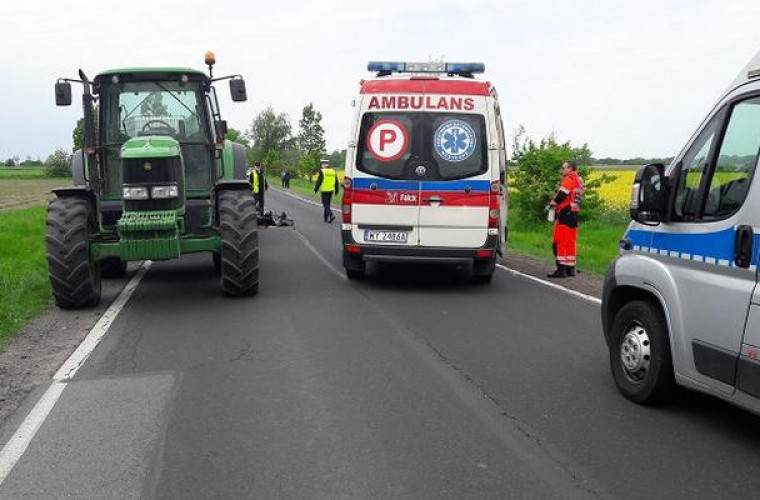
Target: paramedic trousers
[
  {"x": 564, "y": 240},
  {"x": 327, "y": 211}
]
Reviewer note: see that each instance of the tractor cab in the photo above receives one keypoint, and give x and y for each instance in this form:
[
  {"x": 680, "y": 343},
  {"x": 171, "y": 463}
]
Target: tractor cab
[{"x": 156, "y": 177}]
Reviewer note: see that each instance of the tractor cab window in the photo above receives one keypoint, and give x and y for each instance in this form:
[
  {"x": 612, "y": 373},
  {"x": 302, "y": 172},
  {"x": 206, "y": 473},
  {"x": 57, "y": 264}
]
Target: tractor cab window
[
  {"x": 167, "y": 108},
  {"x": 155, "y": 108}
]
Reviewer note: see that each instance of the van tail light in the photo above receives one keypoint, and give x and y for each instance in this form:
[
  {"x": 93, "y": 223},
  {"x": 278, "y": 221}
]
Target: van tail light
[
  {"x": 484, "y": 254},
  {"x": 347, "y": 196},
  {"x": 494, "y": 205},
  {"x": 355, "y": 249}
]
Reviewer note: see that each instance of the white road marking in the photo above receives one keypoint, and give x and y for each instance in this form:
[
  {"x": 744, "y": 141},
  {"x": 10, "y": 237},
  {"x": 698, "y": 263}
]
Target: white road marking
[
  {"x": 17, "y": 445},
  {"x": 320, "y": 256},
  {"x": 590, "y": 298},
  {"x": 67, "y": 371}
]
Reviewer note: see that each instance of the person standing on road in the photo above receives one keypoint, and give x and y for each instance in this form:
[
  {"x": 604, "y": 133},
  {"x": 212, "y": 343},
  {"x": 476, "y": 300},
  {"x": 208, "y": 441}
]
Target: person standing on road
[
  {"x": 327, "y": 183},
  {"x": 259, "y": 185},
  {"x": 566, "y": 204},
  {"x": 287, "y": 179}
]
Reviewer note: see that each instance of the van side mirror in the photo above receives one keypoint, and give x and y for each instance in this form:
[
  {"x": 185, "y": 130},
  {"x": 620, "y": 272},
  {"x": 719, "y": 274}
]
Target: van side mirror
[
  {"x": 237, "y": 90},
  {"x": 649, "y": 194},
  {"x": 62, "y": 94}
]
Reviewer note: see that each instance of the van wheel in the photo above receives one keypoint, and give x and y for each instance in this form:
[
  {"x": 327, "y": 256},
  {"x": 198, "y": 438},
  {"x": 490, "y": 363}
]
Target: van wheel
[
  {"x": 640, "y": 355},
  {"x": 482, "y": 271},
  {"x": 356, "y": 268}
]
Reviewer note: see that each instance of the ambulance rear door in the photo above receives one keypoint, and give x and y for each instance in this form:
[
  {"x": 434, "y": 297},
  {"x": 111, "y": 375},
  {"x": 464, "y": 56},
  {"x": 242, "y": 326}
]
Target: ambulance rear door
[
  {"x": 455, "y": 187},
  {"x": 386, "y": 189}
]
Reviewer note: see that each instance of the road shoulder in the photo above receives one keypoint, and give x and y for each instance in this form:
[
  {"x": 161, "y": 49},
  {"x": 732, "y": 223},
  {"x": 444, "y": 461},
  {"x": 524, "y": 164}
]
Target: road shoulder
[{"x": 31, "y": 359}]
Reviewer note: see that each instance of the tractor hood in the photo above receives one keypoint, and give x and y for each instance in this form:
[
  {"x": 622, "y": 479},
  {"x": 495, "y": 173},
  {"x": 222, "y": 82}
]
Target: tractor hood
[{"x": 151, "y": 146}]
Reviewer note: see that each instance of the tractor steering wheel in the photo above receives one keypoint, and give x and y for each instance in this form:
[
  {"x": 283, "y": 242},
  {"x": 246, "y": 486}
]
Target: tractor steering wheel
[{"x": 163, "y": 124}]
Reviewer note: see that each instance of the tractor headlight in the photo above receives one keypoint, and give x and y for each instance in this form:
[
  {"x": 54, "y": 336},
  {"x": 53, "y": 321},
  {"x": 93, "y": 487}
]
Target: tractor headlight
[
  {"x": 135, "y": 193},
  {"x": 164, "y": 192}
]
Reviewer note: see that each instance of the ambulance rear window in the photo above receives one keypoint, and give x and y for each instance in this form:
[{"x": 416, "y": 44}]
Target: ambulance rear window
[{"x": 449, "y": 145}]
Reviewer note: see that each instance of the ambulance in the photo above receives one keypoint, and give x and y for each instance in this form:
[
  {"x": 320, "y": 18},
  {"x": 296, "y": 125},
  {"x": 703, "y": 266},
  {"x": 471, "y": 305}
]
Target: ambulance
[
  {"x": 681, "y": 303},
  {"x": 425, "y": 177}
]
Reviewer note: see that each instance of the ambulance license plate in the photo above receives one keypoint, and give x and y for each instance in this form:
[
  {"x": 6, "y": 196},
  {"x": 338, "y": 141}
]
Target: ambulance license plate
[{"x": 385, "y": 236}]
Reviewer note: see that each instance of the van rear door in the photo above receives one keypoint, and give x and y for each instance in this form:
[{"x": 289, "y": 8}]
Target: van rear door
[
  {"x": 455, "y": 191},
  {"x": 386, "y": 195}
]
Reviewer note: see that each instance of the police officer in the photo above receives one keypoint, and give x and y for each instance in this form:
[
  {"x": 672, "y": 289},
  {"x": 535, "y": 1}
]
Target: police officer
[
  {"x": 327, "y": 183},
  {"x": 567, "y": 206},
  {"x": 259, "y": 185}
]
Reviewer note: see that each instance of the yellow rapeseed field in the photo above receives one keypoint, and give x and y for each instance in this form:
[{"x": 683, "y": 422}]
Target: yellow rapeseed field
[{"x": 618, "y": 192}]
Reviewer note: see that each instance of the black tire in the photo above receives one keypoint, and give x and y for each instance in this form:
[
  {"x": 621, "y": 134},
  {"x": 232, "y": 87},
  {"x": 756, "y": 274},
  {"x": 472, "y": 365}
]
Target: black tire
[
  {"x": 113, "y": 267},
  {"x": 483, "y": 270},
  {"x": 482, "y": 279},
  {"x": 240, "y": 243},
  {"x": 74, "y": 278},
  {"x": 643, "y": 367},
  {"x": 356, "y": 268},
  {"x": 356, "y": 274}
]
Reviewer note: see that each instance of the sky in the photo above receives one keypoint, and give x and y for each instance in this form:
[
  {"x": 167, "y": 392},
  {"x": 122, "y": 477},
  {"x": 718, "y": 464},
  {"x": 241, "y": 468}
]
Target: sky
[{"x": 628, "y": 78}]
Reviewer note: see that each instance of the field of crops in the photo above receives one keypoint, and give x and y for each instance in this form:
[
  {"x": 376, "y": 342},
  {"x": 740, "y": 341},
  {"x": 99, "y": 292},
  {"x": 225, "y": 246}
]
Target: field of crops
[{"x": 618, "y": 192}]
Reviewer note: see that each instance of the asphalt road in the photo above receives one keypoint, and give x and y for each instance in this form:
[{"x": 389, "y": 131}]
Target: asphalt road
[{"x": 413, "y": 384}]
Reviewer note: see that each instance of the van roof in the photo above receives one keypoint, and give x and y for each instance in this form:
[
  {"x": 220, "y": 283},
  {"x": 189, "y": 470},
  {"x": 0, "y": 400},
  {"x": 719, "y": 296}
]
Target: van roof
[
  {"x": 744, "y": 76},
  {"x": 425, "y": 85}
]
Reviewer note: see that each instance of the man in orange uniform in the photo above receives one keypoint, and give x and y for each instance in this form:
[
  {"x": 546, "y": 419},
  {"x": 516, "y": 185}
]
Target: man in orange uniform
[{"x": 567, "y": 206}]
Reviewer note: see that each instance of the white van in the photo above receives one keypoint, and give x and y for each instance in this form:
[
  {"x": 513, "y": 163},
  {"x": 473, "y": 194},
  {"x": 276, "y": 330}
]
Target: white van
[
  {"x": 681, "y": 304},
  {"x": 425, "y": 177}
]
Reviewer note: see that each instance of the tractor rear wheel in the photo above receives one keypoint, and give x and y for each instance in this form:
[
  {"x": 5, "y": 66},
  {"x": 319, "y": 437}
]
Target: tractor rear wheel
[
  {"x": 113, "y": 267},
  {"x": 240, "y": 243},
  {"x": 74, "y": 277}
]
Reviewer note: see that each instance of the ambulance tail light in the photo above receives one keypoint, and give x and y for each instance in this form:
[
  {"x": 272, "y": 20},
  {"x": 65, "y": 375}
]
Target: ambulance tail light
[
  {"x": 494, "y": 211},
  {"x": 347, "y": 195},
  {"x": 355, "y": 249}
]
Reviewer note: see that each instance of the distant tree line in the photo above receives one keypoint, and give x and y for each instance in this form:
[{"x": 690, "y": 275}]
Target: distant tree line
[
  {"x": 271, "y": 140},
  {"x": 630, "y": 161}
]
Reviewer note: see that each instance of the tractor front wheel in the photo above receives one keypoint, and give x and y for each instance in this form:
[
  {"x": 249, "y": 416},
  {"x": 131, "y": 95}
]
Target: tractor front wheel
[
  {"x": 75, "y": 279},
  {"x": 240, "y": 243}
]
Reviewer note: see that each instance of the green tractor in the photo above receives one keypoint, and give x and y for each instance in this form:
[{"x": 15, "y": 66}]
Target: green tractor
[{"x": 155, "y": 179}]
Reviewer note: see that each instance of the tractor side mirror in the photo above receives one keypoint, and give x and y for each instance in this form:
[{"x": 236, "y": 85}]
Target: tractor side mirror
[
  {"x": 649, "y": 194},
  {"x": 63, "y": 94},
  {"x": 237, "y": 90},
  {"x": 221, "y": 128}
]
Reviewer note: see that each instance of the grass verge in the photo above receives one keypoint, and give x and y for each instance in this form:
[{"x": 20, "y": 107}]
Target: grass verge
[
  {"x": 598, "y": 240},
  {"x": 24, "y": 285}
]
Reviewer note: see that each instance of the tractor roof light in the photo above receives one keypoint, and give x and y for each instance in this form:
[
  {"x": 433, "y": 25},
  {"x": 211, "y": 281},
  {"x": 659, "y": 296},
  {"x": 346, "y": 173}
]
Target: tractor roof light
[
  {"x": 754, "y": 72},
  {"x": 384, "y": 68},
  {"x": 210, "y": 61},
  {"x": 210, "y": 58}
]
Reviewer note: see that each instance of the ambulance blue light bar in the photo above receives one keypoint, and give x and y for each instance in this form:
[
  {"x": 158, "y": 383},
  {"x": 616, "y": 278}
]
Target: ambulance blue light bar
[{"x": 426, "y": 67}]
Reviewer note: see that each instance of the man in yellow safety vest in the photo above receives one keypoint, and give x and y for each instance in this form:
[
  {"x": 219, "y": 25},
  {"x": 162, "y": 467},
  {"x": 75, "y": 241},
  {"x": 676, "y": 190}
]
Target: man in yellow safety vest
[
  {"x": 259, "y": 185},
  {"x": 327, "y": 183}
]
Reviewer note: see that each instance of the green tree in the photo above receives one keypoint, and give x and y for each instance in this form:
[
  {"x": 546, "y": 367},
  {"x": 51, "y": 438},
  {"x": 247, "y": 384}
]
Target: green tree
[
  {"x": 311, "y": 136},
  {"x": 77, "y": 135},
  {"x": 537, "y": 176},
  {"x": 269, "y": 132},
  {"x": 10, "y": 162},
  {"x": 337, "y": 158},
  {"x": 58, "y": 164},
  {"x": 235, "y": 135}
]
